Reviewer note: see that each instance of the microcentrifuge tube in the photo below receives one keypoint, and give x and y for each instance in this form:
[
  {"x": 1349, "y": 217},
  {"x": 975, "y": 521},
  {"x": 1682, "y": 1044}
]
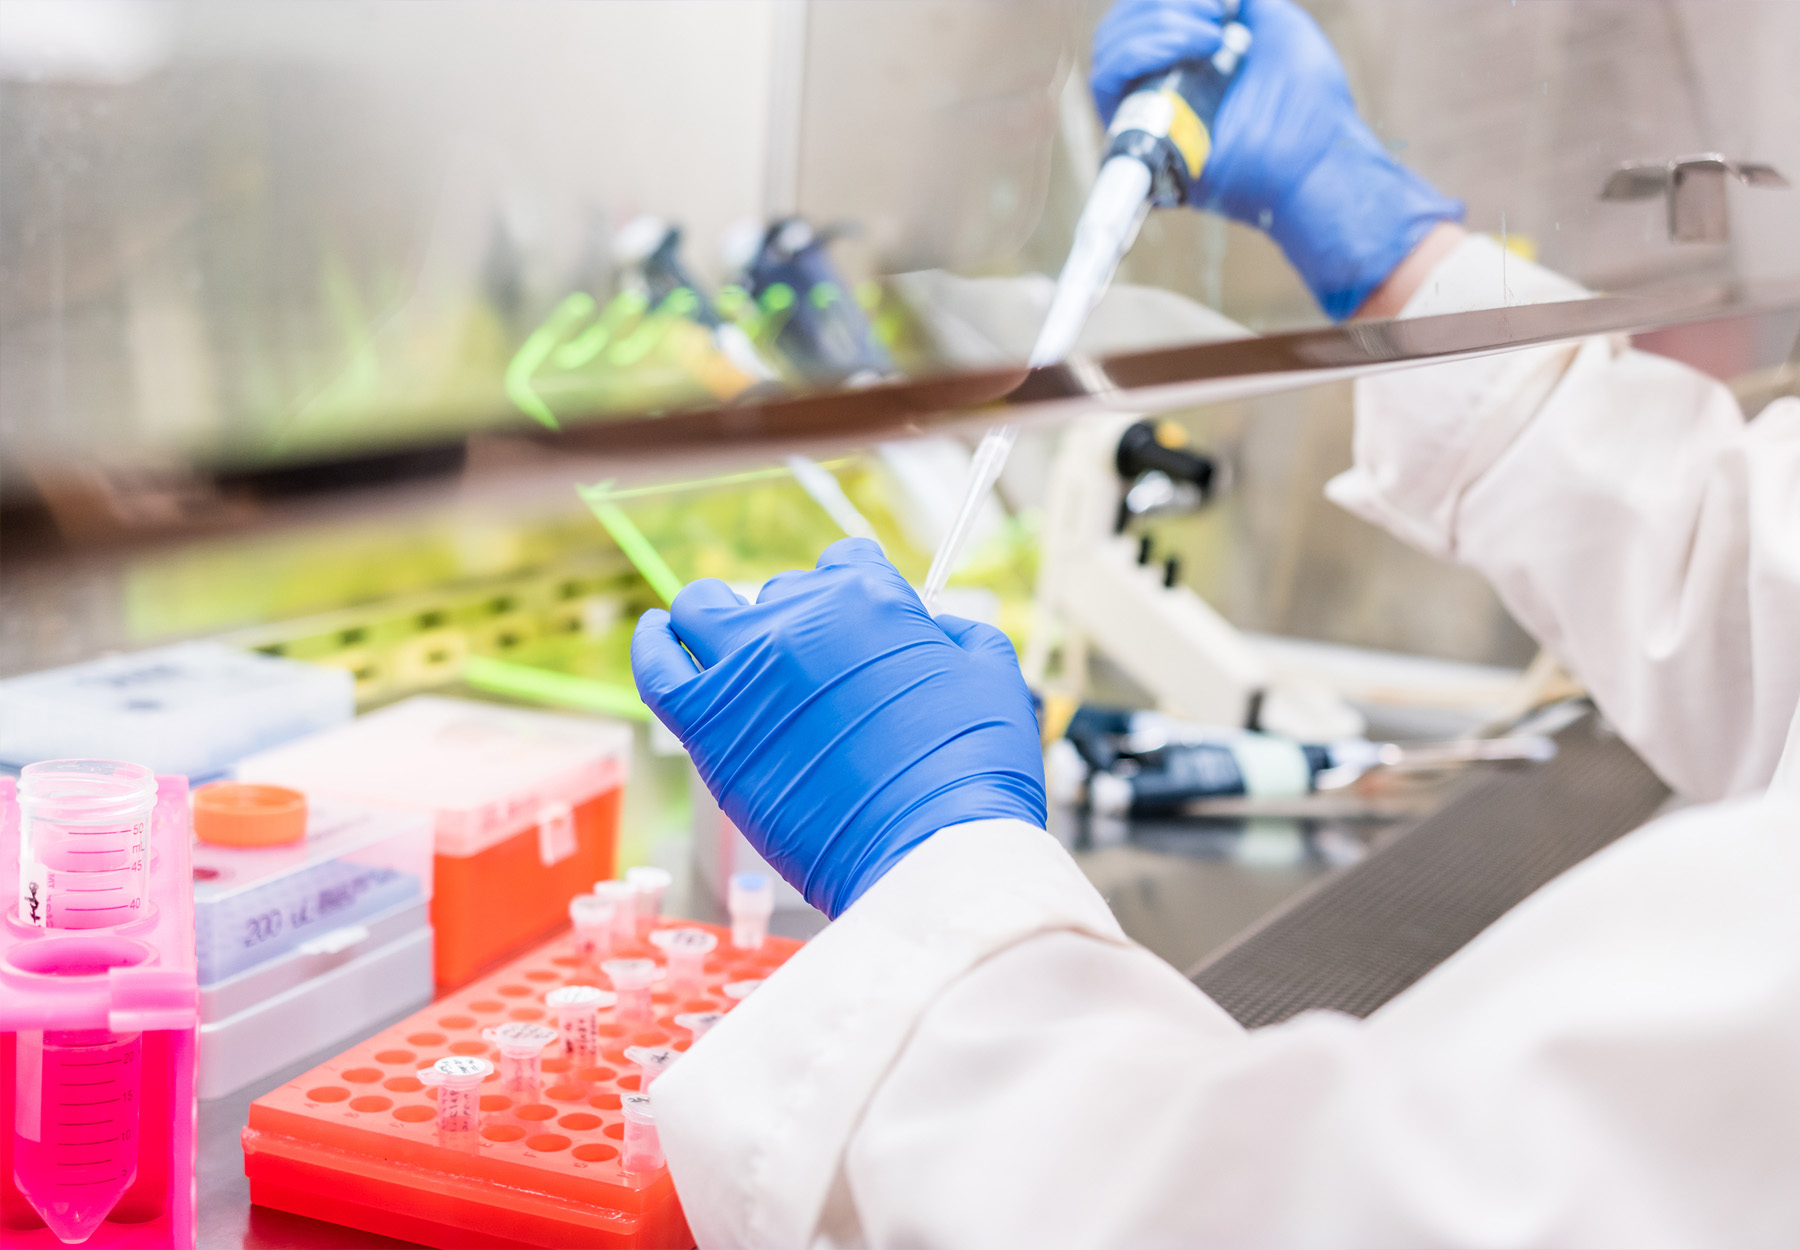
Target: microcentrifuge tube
[
  {"x": 651, "y": 884},
  {"x": 651, "y": 1062},
  {"x": 643, "y": 1149},
  {"x": 740, "y": 990},
  {"x": 631, "y": 981},
  {"x": 699, "y": 1023},
  {"x": 521, "y": 1055},
  {"x": 592, "y": 919},
  {"x": 84, "y": 843},
  {"x": 623, "y": 898},
  {"x": 577, "y": 1009},
  {"x": 686, "y": 951},
  {"x": 458, "y": 1078},
  {"x": 750, "y": 899},
  {"x": 75, "y": 1149}
]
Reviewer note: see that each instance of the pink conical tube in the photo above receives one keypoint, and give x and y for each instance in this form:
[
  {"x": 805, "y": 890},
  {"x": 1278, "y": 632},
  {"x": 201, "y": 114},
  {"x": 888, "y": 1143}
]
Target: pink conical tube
[{"x": 76, "y": 1127}]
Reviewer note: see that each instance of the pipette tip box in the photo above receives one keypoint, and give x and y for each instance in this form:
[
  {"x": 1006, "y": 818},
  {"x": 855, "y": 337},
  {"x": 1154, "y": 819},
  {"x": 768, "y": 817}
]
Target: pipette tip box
[
  {"x": 309, "y": 943},
  {"x": 355, "y": 1140},
  {"x": 195, "y": 708},
  {"x": 107, "y": 1019},
  {"x": 524, "y": 807}
]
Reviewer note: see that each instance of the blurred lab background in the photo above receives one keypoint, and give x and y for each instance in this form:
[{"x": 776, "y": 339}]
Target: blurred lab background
[{"x": 288, "y": 292}]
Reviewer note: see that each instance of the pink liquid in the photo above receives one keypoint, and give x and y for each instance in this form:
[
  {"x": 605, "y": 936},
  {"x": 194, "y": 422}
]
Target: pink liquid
[{"x": 76, "y": 1136}]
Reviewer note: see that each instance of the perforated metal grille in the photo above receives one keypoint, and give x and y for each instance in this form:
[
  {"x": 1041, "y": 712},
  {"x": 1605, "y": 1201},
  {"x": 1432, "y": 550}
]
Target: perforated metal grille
[{"x": 1365, "y": 934}]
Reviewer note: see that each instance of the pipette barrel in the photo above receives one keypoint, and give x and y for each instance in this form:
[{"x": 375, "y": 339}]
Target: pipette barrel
[
  {"x": 632, "y": 980},
  {"x": 642, "y": 1147},
  {"x": 577, "y": 1009},
  {"x": 750, "y": 898}
]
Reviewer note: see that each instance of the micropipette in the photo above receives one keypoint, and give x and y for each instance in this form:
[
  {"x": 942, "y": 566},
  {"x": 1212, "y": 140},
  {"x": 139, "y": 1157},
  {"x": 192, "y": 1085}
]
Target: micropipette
[{"x": 1156, "y": 149}]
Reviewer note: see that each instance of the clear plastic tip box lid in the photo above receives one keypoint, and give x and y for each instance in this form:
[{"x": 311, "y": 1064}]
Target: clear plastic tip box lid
[
  {"x": 252, "y": 904},
  {"x": 195, "y": 708},
  {"x": 484, "y": 772}
]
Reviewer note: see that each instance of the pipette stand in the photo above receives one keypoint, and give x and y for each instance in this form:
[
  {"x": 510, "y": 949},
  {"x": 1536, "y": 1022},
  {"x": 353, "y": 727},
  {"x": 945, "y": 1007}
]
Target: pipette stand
[
  {"x": 355, "y": 1140},
  {"x": 133, "y": 979}
]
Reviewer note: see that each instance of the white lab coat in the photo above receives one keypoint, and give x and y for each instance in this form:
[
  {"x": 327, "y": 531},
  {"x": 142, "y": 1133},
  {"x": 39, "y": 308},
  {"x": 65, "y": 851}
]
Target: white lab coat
[{"x": 975, "y": 1055}]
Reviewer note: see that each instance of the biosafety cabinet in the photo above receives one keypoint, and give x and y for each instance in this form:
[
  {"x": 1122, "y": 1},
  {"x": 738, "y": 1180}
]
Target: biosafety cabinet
[{"x": 423, "y": 347}]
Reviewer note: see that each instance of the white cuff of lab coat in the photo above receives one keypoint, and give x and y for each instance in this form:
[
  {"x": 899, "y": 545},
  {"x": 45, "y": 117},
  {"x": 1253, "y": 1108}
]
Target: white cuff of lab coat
[
  {"x": 1424, "y": 435},
  {"x": 755, "y": 1120}
]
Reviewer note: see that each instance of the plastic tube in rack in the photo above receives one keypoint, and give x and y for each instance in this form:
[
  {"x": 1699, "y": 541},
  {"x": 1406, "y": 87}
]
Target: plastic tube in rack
[
  {"x": 651, "y": 884},
  {"x": 577, "y": 1009},
  {"x": 458, "y": 1079},
  {"x": 686, "y": 951},
  {"x": 632, "y": 980},
  {"x": 750, "y": 899},
  {"x": 76, "y": 1124},
  {"x": 521, "y": 1055},
  {"x": 84, "y": 843},
  {"x": 699, "y": 1023},
  {"x": 740, "y": 990},
  {"x": 643, "y": 1148},
  {"x": 592, "y": 919},
  {"x": 652, "y": 1062},
  {"x": 620, "y": 899}
]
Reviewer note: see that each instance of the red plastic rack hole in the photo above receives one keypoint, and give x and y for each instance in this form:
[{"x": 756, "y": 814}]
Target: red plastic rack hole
[
  {"x": 495, "y": 1102},
  {"x": 362, "y": 1076},
  {"x": 526, "y": 1013},
  {"x": 503, "y": 1132},
  {"x": 614, "y": 1131},
  {"x": 595, "y": 1075},
  {"x": 566, "y": 1093},
  {"x": 535, "y": 1111},
  {"x": 457, "y": 1022},
  {"x": 403, "y": 1084},
  {"x": 606, "y": 1102},
  {"x": 468, "y": 1048},
  {"x": 371, "y": 1102},
  {"x": 513, "y": 991},
  {"x": 579, "y": 1122},
  {"x": 594, "y": 1152},
  {"x": 328, "y": 1093},
  {"x": 548, "y": 1143},
  {"x": 487, "y": 1006},
  {"x": 426, "y": 1039},
  {"x": 558, "y": 1064},
  {"x": 413, "y": 1113},
  {"x": 542, "y": 974},
  {"x": 396, "y": 1057}
]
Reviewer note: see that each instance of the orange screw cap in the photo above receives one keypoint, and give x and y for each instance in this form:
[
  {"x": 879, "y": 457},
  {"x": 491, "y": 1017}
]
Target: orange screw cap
[{"x": 233, "y": 813}]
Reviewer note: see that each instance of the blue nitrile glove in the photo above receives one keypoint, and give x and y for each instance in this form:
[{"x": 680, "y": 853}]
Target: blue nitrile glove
[
  {"x": 836, "y": 722},
  {"x": 1289, "y": 154}
]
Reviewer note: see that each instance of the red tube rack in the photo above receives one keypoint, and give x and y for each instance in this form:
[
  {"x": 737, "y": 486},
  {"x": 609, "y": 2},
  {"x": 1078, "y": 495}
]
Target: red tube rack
[{"x": 355, "y": 1140}]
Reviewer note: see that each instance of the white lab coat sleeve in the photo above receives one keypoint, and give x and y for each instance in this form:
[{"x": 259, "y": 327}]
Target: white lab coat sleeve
[
  {"x": 1609, "y": 1064},
  {"x": 1626, "y": 513},
  {"x": 755, "y": 1121}
]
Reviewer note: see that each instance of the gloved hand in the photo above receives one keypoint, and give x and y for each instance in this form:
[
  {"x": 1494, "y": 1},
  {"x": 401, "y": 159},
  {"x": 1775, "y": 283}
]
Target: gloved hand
[
  {"x": 836, "y": 722},
  {"x": 1289, "y": 154}
]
